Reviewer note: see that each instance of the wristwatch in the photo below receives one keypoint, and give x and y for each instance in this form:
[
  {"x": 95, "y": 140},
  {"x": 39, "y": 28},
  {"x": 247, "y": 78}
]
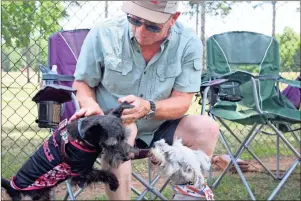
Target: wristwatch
[{"x": 151, "y": 112}]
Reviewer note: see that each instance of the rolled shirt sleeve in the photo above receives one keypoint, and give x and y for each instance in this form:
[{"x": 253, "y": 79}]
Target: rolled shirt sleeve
[{"x": 189, "y": 79}]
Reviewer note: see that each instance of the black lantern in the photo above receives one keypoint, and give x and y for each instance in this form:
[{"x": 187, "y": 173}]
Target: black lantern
[{"x": 51, "y": 96}]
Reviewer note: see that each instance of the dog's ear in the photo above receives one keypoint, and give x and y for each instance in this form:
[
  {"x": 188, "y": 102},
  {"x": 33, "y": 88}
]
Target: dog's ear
[
  {"x": 72, "y": 129},
  {"x": 118, "y": 111},
  {"x": 94, "y": 131},
  {"x": 89, "y": 129}
]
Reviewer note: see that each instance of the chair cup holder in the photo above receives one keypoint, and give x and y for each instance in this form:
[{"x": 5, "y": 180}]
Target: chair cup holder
[
  {"x": 50, "y": 100},
  {"x": 229, "y": 91}
]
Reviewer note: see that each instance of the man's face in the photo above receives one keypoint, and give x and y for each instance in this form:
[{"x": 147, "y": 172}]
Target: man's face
[{"x": 149, "y": 33}]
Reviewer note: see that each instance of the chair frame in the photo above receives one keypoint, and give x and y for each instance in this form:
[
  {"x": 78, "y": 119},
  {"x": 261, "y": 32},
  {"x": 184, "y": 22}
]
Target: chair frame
[{"x": 256, "y": 129}]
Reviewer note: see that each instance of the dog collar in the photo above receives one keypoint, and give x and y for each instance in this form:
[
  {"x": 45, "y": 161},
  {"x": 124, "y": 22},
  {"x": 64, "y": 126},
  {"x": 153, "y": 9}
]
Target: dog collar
[{"x": 79, "y": 125}]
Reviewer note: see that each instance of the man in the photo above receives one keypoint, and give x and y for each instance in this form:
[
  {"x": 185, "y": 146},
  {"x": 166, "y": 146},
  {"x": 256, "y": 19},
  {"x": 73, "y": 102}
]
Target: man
[{"x": 154, "y": 63}]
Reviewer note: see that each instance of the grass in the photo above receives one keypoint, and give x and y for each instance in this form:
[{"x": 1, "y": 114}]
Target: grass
[
  {"x": 231, "y": 188},
  {"x": 21, "y": 136}
]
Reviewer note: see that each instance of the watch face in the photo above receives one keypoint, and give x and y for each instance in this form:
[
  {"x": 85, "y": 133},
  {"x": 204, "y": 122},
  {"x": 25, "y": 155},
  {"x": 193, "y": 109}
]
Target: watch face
[{"x": 150, "y": 115}]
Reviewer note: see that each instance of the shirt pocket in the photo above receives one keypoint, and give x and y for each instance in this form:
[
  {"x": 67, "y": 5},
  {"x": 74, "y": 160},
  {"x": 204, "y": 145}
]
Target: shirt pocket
[
  {"x": 195, "y": 75},
  {"x": 118, "y": 75},
  {"x": 166, "y": 76}
]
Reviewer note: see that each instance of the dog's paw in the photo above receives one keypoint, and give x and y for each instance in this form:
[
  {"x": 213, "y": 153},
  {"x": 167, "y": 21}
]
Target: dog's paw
[{"x": 113, "y": 183}]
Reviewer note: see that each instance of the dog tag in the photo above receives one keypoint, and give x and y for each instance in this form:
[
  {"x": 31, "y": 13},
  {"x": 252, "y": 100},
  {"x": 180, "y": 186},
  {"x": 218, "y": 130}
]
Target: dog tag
[{"x": 63, "y": 124}]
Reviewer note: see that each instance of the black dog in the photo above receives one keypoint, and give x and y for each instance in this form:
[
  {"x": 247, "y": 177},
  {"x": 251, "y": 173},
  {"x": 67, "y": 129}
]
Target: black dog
[{"x": 70, "y": 153}]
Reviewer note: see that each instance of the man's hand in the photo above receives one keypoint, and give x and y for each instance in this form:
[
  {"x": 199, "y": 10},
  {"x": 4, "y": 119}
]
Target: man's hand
[
  {"x": 140, "y": 109},
  {"x": 88, "y": 110}
]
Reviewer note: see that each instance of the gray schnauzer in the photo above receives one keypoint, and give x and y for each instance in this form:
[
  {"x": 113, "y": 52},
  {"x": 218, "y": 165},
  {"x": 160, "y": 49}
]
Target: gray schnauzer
[{"x": 70, "y": 153}]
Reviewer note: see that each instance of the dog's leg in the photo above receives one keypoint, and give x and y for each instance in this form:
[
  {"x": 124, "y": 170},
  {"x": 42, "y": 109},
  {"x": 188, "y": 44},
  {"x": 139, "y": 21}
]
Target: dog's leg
[
  {"x": 14, "y": 194},
  {"x": 98, "y": 176}
]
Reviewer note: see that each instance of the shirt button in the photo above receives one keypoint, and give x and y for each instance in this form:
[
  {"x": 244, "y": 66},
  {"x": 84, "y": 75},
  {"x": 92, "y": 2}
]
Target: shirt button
[{"x": 141, "y": 95}]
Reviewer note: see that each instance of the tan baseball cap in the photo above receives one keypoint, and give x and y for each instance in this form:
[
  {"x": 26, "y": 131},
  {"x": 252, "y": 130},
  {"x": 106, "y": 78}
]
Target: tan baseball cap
[{"x": 153, "y": 11}]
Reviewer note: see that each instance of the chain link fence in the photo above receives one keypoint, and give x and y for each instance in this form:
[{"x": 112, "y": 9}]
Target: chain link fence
[{"x": 26, "y": 26}]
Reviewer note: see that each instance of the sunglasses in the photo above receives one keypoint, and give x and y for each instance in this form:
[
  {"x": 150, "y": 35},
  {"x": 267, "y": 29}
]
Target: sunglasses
[{"x": 150, "y": 27}]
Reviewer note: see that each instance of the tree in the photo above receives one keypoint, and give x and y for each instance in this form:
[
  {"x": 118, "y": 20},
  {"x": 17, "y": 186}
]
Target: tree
[
  {"x": 26, "y": 23},
  {"x": 5, "y": 63},
  {"x": 216, "y": 8},
  {"x": 22, "y": 20},
  {"x": 289, "y": 42},
  {"x": 296, "y": 67}
]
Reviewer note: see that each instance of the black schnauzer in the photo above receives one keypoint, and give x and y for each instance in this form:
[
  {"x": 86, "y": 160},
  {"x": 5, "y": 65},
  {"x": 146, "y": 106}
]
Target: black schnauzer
[{"x": 70, "y": 153}]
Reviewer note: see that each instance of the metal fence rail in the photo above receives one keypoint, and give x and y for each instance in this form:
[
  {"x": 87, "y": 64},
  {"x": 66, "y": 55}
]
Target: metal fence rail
[{"x": 26, "y": 26}]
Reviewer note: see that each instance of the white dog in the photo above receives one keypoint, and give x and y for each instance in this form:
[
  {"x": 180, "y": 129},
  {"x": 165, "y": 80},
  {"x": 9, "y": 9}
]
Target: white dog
[{"x": 180, "y": 163}]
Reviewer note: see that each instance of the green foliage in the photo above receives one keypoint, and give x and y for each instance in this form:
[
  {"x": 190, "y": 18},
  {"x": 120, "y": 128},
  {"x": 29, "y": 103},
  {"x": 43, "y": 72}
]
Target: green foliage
[
  {"x": 289, "y": 42},
  {"x": 26, "y": 26},
  {"x": 17, "y": 21},
  {"x": 5, "y": 63},
  {"x": 23, "y": 20},
  {"x": 296, "y": 60},
  {"x": 215, "y": 8}
]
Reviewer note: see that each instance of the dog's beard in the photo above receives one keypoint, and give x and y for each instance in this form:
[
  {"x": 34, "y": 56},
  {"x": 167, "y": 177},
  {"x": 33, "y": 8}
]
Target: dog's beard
[
  {"x": 179, "y": 163},
  {"x": 115, "y": 155}
]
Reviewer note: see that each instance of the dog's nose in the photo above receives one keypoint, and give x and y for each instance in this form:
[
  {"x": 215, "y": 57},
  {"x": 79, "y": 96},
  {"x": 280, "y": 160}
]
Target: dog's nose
[{"x": 155, "y": 161}]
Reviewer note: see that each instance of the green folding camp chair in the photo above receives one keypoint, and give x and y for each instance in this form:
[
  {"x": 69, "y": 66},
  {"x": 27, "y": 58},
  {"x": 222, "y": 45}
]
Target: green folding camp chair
[{"x": 242, "y": 83}]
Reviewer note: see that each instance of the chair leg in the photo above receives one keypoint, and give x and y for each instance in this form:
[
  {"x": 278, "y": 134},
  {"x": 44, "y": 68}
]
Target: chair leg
[
  {"x": 163, "y": 187},
  {"x": 277, "y": 158},
  {"x": 250, "y": 152},
  {"x": 78, "y": 192},
  {"x": 284, "y": 179},
  {"x": 284, "y": 140},
  {"x": 149, "y": 187},
  {"x": 238, "y": 152},
  {"x": 137, "y": 192},
  {"x": 66, "y": 195},
  {"x": 236, "y": 167},
  {"x": 294, "y": 135},
  {"x": 69, "y": 190},
  {"x": 149, "y": 164}
]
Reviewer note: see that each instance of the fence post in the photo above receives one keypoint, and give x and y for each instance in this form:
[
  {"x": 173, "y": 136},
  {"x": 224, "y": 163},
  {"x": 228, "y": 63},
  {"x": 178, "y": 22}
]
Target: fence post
[
  {"x": 106, "y": 9},
  {"x": 203, "y": 38}
]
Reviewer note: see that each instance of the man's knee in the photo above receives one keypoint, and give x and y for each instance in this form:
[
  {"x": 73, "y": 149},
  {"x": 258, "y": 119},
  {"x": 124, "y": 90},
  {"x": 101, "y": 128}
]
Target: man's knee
[
  {"x": 207, "y": 127},
  {"x": 198, "y": 128}
]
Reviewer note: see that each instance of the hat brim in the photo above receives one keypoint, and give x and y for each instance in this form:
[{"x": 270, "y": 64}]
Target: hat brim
[{"x": 144, "y": 13}]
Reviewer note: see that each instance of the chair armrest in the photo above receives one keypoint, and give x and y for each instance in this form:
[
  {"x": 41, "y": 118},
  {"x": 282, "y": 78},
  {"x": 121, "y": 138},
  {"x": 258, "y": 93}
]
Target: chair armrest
[
  {"x": 293, "y": 83},
  {"x": 213, "y": 82}
]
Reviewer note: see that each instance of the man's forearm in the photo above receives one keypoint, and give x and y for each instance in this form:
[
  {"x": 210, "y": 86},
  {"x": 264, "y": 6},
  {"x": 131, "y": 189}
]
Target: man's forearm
[
  {"x": 173, "y": 107},
  {"x": 85, "y": 94}
]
